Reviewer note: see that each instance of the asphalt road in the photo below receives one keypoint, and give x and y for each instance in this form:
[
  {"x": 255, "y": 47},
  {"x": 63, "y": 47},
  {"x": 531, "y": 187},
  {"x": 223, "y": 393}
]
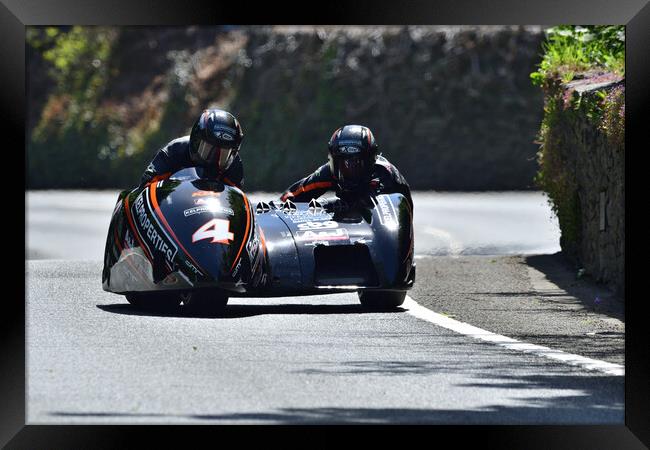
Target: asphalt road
[{"x": 93, "y": 358}]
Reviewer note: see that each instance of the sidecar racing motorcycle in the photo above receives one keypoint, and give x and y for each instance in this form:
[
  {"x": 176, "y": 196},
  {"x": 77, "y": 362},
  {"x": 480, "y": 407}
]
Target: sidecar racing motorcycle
[{"x": 197, "y": 241}]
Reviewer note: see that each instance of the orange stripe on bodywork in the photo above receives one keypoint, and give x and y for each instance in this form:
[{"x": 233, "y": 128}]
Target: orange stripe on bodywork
[
  {"x": 245, "y": 238},
  {"x": 162, "y": 176},
  {"x": 229, "y": 182},
  {"x": 133, "y": 230},
  {"x": 321, "y": 184},
  {"x": 307, "y": 188},
  {"x": 154, "y": 201},
  {"x": 263, "y": 240}
]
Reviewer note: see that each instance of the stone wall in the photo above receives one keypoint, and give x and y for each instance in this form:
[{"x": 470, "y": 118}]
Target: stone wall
[{"x": 596, "y": 157}]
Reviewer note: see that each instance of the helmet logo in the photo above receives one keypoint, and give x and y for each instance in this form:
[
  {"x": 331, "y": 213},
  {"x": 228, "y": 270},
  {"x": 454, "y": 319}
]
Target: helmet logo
[
  {"x": 223, "y": 135},
  {"x": 223, "y": 132},
  {"x": 349, "y": 150}
]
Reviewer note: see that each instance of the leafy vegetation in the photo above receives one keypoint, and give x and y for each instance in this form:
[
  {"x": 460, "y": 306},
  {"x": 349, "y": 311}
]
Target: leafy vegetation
[
  {"x": 444, "y": 108},
  {"x": 571, "y": 49},
  {"x": 575, "y": 53},
  {"x": 72, "y": 125}
]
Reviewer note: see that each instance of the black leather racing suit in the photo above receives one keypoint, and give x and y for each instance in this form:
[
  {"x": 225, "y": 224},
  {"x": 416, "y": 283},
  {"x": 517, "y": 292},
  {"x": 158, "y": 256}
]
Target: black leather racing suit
[
  {"x": 385, "y": 179},
  {"x": 176, "y": 155}
]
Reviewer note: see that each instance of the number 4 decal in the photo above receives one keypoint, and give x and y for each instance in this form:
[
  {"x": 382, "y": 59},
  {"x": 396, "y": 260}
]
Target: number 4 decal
[{"x": 217, "y": 229}]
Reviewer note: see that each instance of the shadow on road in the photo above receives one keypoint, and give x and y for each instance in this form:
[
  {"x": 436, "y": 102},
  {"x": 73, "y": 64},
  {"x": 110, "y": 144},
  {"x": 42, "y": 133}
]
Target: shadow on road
[
  {"x": 591, "y": 295},
  {"x": 239, "y": 311},
  {"x": 575, "y": 398},
  {"x": 575, "y": 409}
]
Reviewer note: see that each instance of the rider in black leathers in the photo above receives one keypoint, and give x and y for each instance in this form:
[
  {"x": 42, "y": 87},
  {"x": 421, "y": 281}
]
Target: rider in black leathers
[
  {"x": 213, "y": 144},
  {"x": 354, "y": 168}
]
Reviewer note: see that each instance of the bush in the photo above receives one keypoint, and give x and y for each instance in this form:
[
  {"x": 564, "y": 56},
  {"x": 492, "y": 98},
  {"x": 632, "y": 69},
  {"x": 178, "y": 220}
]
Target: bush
[
  {"x": 571, "y": 49},
  {"x": 570, "y": 52}
]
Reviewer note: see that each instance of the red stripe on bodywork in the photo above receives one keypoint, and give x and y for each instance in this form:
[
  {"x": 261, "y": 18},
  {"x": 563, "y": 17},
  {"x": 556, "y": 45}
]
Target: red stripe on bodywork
[
  {"x": 307, "y": 188},
  {"x": 154, "y": 201},
  {"x": 245, "y": 238}
]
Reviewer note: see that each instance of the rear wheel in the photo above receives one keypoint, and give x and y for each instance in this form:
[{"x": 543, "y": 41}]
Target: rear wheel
[
  {"x": 381, "y": 300},
  {"x": 205, "y": 301},
  {"x": 154, "y": 300}
]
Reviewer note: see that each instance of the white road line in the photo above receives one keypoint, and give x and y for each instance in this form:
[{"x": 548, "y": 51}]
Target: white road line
[{"x": 419, "y": 311}]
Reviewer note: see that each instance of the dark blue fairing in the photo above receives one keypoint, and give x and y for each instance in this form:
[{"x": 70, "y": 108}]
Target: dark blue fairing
[
  {"x": 331, "y": 246},
  {"x": 187, "y": 232},
  {"x": 183, "y": 233}
]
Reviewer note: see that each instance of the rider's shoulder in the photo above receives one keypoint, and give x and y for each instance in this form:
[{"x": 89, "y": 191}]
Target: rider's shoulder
[
  {"x": 177, "y": 145},
  {"x": 323, "y": 172},
  {"x": 180, "y": 141},
  {"x": 382, "y": 162}
]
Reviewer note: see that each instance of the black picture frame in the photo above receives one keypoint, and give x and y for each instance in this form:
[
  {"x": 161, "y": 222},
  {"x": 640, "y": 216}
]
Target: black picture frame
[{"x": 16, "y": 14}]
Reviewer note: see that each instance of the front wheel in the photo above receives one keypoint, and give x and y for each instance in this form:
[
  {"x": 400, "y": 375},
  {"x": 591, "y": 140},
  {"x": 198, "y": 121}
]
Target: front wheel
[
  {"x": 381, "y": 300},
  {"x": 205, "y": 301},
  {"x": 154, "y": 300}
]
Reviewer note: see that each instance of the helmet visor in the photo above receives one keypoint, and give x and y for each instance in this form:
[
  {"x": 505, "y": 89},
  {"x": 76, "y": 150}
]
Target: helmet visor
[
  {"x": 350, "y": 170},
  {"x": 215, "y": 156}
]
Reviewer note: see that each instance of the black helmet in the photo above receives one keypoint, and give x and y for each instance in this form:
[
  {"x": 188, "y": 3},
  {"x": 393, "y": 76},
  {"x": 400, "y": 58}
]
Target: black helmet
[
  {"x": 215, "y": 139},
  {"x": 352, "y": 154}
]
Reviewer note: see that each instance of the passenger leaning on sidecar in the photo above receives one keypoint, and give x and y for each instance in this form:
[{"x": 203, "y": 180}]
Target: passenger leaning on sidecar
[
  {"x": 213, "y": 144},
  {"x": 354, "y": 169}
]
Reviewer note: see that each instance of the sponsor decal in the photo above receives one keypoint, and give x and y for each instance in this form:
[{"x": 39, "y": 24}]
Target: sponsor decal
[
  {"x": 252, "y": 247},
  {"x": 319, "y": 225},
  {"x": 235, "y": 271},
  {"x": 349, "y": 150},
  {"x": 216, "y": 229},
  {"x": 337, "y": 234},
  {"x": 387, "y": 215},
  {"x": 254, "y": 253},
  {"x": 350, "y": 142},
  {"x": 205, "y": 194},
  {"x": 159, "y": 241},
  {"x": 208, "y": 209},
  {"x": 192, "y": 267},
  {"x": 309, "y": 216}
]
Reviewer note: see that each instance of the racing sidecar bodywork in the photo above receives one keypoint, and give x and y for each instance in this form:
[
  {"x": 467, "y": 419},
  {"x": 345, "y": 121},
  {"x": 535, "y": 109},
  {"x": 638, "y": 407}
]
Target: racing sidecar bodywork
[{"x": 187, "y": 233}]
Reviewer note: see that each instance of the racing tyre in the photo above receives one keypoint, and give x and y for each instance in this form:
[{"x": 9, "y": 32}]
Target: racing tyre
[
  {"x": 382, "y": 300},
  {"x": 206, "y": 302},
  {"x": 159, "y": 301}
]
